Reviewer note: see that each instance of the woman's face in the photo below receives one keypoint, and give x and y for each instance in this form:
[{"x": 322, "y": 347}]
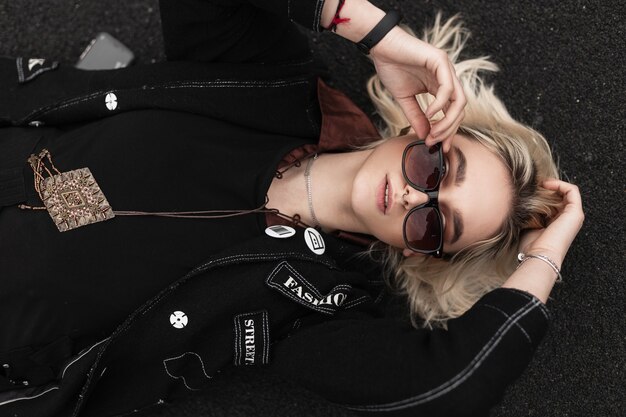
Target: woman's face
[{"x": 474, "y": 194}]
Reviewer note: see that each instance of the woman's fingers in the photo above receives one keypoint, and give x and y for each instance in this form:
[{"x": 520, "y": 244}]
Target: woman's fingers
[
  {"x": 573, "y": 209},
  {"x": 571, "y": 198},
  {"x": 445, "y": 82},
  {"x": 415, "y": 115},
  {"x": 414, "y": 67},
  {"x": 454, "y": 112},
  {"x": 437, "y": 135},
  {"x": 448, "y": 86}
]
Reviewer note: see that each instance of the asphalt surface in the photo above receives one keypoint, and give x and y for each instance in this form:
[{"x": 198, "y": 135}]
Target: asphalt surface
[{"x": 562, "y": 71}]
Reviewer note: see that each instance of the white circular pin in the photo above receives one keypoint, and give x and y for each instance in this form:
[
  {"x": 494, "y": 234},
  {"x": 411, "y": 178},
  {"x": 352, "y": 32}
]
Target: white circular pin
[
  {"x": 314, "y": 241},
  {"x": 280, "y": 232},
  {"x": 111, "y": 101},
  {"x": 178, "y": 319}
]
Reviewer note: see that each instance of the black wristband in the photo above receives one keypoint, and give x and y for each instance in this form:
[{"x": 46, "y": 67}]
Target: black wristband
[{"x": 383, "y": 27}]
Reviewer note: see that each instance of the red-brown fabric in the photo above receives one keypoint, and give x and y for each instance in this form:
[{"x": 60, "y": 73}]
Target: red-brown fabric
[{"x": 344, "y": 127}]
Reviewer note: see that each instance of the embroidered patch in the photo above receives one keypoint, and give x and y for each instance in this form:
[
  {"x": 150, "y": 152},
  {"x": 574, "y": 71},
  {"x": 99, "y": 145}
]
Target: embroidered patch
[
  {"x": 28, "y": 69},
  {"x": 74, "y": 199},
  {"x": 252, "y": 340},
  {"x": 292, "y": 284}
]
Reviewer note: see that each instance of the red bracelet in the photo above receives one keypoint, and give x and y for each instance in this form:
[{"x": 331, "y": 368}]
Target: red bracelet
[{"x": 337, "y": 19}]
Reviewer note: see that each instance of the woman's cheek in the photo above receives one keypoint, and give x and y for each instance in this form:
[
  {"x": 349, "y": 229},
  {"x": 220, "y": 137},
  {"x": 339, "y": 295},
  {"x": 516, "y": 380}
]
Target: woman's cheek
[{"x": 392, "y": 235}]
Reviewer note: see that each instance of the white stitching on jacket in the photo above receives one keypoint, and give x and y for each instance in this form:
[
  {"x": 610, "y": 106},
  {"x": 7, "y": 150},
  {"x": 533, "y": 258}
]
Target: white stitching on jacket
[
  {"x": 30, "y": 398},
  {"x": 266, "y": 339},
  {"x": 460, "y": 377},
  {"x": 20, "y": 70},
  {"x": 182, "y": 377},
  {"x": 507, "y": 316},
  {"x": 542, "y": 307},
  {"x": 355, "y": 302},
  {"x": 81, "y": 355},
  {"x": 173, "y": 85},
  {"x": 318, "y": 15},
  {"x": 62, "y": 375},
  {"x": 225, "y": 261}
]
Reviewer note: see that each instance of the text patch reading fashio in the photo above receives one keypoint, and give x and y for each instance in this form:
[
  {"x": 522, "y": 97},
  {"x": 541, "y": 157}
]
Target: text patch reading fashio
[{"x": 289, "y": 282}]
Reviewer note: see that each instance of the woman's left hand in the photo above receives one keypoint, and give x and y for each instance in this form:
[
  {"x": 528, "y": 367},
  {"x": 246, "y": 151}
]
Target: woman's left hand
[
  {"x": 554, "y": 241},
  {"x": 408, "y": 66}
]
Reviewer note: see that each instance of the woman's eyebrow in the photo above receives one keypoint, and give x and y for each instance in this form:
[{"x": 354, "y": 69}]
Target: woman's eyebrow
[
  {"x": 457, "y": 220},
  {"x": 461, "y": 163},
  {"x": 459, "y": 177}
]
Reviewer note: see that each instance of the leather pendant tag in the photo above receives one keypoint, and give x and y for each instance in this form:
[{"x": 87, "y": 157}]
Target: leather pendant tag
[{"x": 74, "y": 199}]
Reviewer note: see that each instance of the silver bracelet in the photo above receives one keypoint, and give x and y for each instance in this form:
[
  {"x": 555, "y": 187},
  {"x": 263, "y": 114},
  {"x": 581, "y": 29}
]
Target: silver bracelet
[{"x": 521, "y": 257}]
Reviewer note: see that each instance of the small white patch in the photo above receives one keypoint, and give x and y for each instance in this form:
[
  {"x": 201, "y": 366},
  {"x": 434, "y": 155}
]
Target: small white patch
[
  {"x": 314, "y": 241},
  {"x": 178, "y": 319},
  {"x": 35, "y": 61},
  {"x": 111, "y": 101},
  {"x": 280, "y": 232}
]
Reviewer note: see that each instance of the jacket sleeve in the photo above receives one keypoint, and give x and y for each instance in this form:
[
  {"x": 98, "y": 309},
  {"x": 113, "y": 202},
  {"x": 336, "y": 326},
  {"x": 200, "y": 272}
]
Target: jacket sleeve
[
  {"x": 380, "y": 365},
  {"x": 236, "y": 31},
  {"x": 253, "y": 55}
]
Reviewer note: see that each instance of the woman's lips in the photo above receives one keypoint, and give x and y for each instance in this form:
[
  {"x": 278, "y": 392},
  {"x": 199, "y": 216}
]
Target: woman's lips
[
  {"x": 384, "y": 197},
  {"x": 389, "y": 197}
]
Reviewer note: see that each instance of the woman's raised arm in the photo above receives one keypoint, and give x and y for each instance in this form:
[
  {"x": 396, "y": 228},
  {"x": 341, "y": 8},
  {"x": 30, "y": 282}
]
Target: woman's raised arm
[
  {"x": 263, "y": 31},
  {"x": 406, "y": 66}
]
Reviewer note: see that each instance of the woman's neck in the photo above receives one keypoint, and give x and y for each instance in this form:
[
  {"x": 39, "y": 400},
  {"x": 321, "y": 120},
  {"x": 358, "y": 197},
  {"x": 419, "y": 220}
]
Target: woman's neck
[{"x": 331, "y": 178}]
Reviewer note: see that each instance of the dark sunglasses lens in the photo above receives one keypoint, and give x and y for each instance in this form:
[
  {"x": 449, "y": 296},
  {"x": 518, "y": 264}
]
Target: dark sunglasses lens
[
  {"x": 422, "y": 166},
  {"x": 422, "y": 229}
]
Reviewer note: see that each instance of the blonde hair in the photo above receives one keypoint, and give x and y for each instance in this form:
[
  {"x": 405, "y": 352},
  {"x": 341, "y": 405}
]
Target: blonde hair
[{"x": 441, "y": 289}]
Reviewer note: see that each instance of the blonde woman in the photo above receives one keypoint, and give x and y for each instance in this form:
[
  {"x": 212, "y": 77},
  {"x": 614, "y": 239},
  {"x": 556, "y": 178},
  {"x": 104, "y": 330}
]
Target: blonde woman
[{"x": 169, "y": 221}]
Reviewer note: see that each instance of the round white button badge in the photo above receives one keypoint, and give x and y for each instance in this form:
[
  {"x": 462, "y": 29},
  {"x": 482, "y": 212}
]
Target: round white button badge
[
  {"x": 314, "y": 241},
  {"x": 280, "y": 232},
  {"x": 178, "y": 319},
  {"x": 111, "y": 101}
]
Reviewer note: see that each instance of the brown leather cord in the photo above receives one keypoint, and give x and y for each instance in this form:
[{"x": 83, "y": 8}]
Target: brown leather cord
[{"x": 38, "y": 164}]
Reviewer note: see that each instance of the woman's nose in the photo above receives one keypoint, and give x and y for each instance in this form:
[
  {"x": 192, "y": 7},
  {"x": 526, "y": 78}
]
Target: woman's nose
[{"x": 413, "y": 198}]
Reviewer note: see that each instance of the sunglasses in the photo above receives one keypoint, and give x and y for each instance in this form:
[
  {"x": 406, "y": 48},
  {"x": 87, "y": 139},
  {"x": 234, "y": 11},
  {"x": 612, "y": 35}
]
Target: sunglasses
[{"x": 423, "y": 168}]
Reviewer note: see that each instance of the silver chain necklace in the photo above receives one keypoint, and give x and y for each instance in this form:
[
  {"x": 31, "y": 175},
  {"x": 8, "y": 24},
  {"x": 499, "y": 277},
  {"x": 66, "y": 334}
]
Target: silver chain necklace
[{"x": 307, "y": 178}]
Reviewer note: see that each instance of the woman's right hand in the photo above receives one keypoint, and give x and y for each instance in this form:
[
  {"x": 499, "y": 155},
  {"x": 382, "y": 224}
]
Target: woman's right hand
[
  {"x": 554, "y": 241},
  {"x": 408, "y": 66}
]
